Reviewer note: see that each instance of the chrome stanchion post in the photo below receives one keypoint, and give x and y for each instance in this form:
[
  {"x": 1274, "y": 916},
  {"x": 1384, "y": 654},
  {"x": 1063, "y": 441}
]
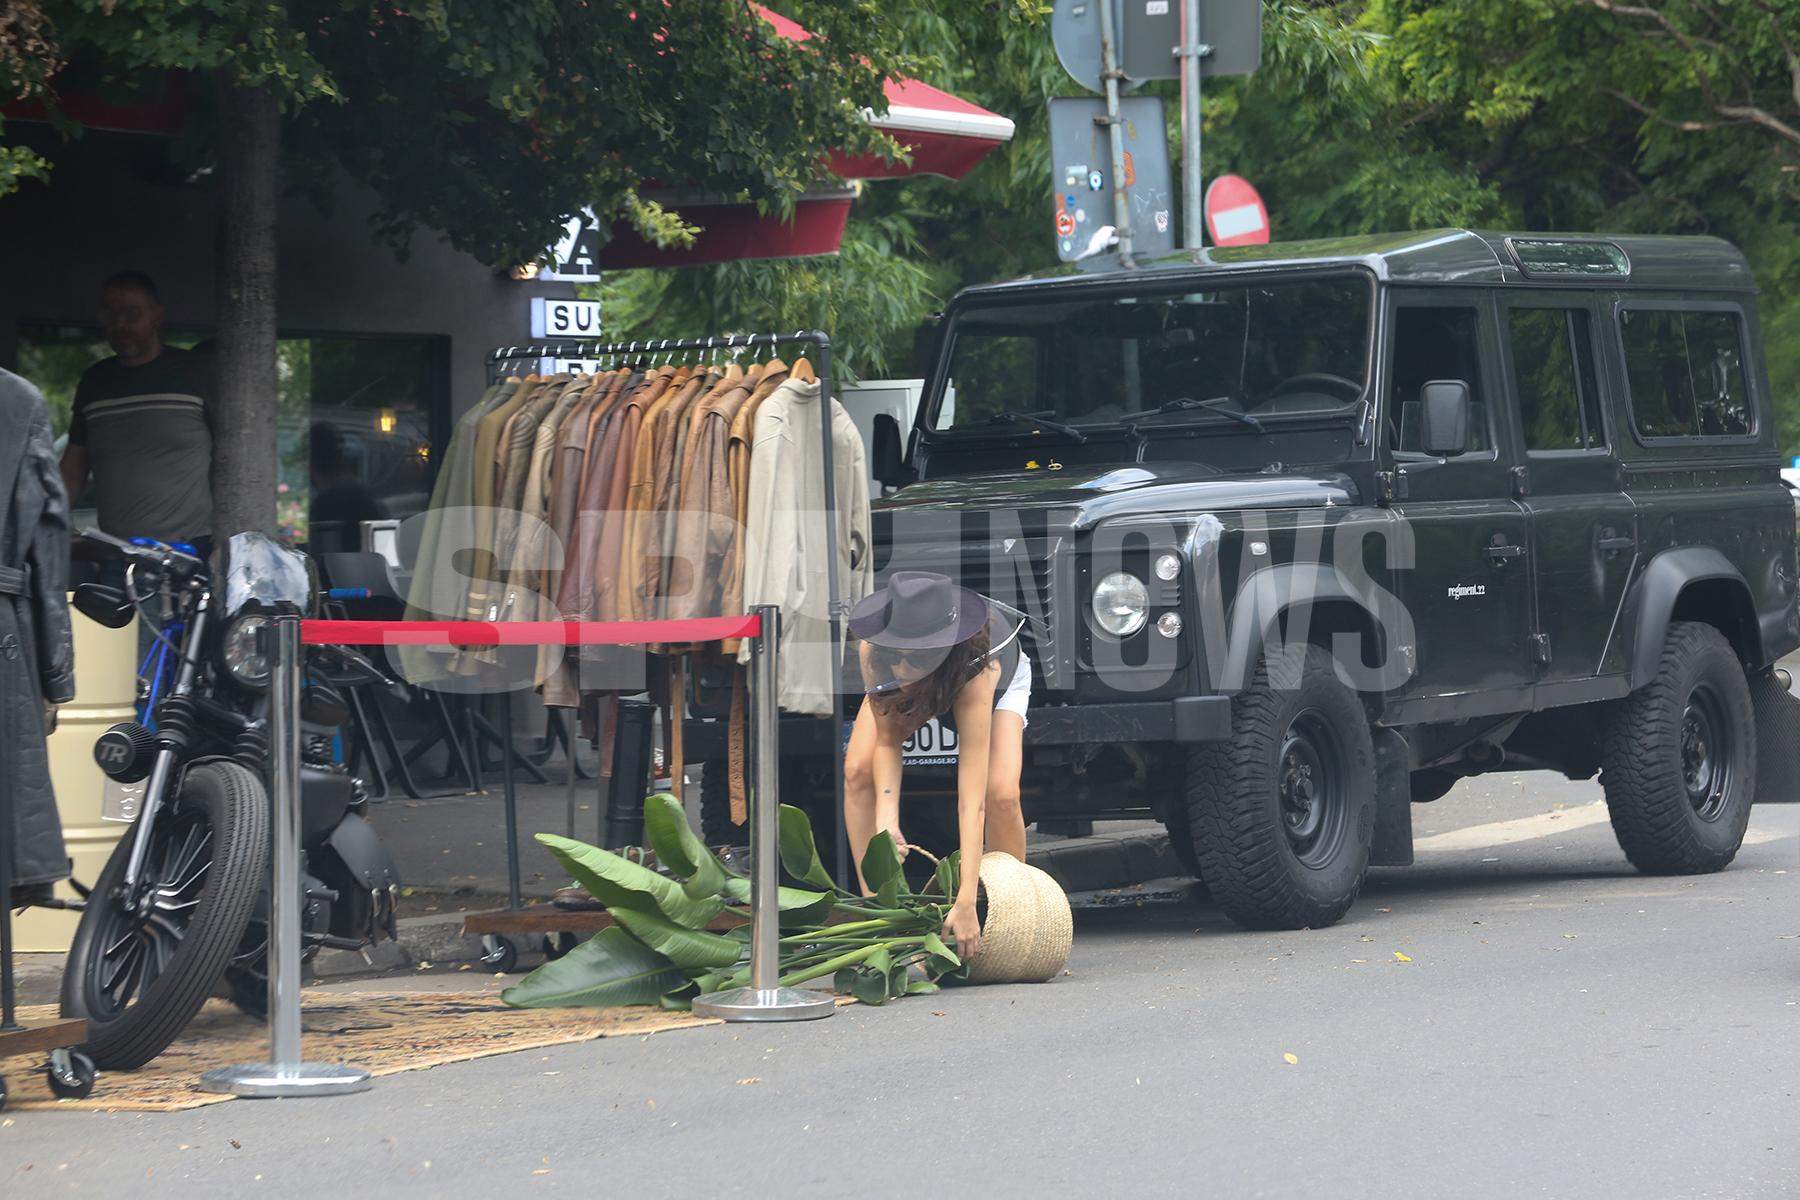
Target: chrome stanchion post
[
  {"x": 765, "y": 999},
  {"x": 285, "y": 1074}
]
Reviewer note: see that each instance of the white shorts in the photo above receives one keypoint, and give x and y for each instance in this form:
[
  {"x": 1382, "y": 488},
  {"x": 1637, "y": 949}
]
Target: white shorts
[{"x": 1016, "y": 696}]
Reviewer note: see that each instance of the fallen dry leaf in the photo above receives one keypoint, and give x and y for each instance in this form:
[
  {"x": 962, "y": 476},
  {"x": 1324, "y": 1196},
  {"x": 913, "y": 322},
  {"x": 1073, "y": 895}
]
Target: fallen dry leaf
[
  {"x": 1292, "y": 1060},
  {"x": 1399, "y": 957},
  {"x": 750, "y": 1080}
]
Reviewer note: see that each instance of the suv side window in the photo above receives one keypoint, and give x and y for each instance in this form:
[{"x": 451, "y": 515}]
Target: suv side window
[
  {"x": 1553, "y": 370},
  {"x": 1686, "y": 372},
  {"x": 1436, "y": 343}
]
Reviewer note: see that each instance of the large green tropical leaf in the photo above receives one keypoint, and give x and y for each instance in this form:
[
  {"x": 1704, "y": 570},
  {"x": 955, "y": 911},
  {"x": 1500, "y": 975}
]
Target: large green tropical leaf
[
  {"x": 690, "y": 949},
  {"x": 799, "y": 851},
  {"x": 617, "y": 882},
  {"x": 798, "y": 906},
  {"x": 881, "y": 869},
  {"x": 940, "y": 955},
  {"x": 610, "y": 968},
  {"x": 680, "y": 849}
]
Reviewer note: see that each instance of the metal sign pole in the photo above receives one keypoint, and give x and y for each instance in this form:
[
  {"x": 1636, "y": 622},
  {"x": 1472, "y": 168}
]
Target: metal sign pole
[
  {"x": 1109, "y": 75},
  {"x": 765, "y": 999},
  {"x": 1191, "y": 51},
  {"x": 285, "y": 1074}
]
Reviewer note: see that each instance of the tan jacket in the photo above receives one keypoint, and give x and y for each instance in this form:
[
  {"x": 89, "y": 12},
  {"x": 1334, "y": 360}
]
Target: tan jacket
[
  {"x": 707, "y": 527},
  {"x": 576, "y": 595},
  {"x": 737, "y": 475},
  {"x": 605, "y": 566},
  {"x": 481, "y": 490},
  {"x": 652, "y": 459},
  {"x": 530, "y": 543},
  {"x": 784, "y": 535}
]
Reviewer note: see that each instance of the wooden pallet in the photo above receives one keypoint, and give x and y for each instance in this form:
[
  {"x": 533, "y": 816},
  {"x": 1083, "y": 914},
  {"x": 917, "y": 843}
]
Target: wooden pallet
[{"x": 41, "y": 1037}]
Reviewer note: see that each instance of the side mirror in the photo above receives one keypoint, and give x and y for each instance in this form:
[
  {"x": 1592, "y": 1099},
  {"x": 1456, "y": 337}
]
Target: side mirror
[
  {"x": 104, "y": 605},
  {"x": 1444, "y": 410},
  {"x": 888, "y": 460}
]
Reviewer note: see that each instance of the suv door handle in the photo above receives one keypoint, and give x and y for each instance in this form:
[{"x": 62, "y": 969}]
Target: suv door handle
[
  {"x": 1612, "y": 545},
  {"x": 1503, "y": 553}
]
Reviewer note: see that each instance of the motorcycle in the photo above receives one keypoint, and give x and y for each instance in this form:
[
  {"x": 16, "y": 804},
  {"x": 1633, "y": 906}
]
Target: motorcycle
[{"x": 180, "y": 910}]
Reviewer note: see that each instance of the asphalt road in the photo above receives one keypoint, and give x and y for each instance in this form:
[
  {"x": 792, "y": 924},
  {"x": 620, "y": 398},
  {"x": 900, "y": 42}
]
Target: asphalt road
[{"x": 1517, "y": 1015}]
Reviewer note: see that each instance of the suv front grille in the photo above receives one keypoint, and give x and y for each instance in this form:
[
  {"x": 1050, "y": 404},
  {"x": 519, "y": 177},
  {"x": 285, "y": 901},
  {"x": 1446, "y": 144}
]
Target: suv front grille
[{"x": 1021, "y": 572}]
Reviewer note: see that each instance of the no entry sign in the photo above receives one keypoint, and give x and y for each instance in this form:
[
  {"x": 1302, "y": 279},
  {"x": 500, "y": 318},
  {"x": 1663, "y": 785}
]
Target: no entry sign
[{"x": 1235, "y": 214}]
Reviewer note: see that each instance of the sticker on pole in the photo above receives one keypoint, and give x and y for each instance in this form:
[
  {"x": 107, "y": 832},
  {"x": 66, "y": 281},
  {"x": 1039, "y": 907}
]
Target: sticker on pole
[{"x": 1235, "y": 214}]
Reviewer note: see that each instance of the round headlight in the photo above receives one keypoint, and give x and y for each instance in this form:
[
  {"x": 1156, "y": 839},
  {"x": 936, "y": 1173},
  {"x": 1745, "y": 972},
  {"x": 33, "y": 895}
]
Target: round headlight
[
  {"x": 1121, "y": 604},
  {"x": 1167, "y": 567},
  {"x": 243, "y": 651}
]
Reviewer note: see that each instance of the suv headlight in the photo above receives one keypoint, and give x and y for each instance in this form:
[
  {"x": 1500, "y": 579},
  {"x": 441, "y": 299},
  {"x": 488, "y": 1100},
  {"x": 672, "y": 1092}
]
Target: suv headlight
[
  {"x": 1121, "y": 604},
  {"x": 243, "y": 651}
]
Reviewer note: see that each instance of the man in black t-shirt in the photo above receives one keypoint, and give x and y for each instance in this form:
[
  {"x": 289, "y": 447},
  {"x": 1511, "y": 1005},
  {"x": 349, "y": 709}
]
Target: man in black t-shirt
[{"x": 142, "y": 424}]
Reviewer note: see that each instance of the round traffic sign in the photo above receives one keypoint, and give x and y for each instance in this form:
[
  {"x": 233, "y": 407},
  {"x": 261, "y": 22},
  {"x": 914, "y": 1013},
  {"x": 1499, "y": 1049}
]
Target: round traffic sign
[{"x": 1235, "y": 213}]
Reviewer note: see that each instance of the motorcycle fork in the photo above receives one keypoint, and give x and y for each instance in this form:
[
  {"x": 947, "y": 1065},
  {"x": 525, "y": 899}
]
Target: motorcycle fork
[{"x": 162, "y": 771}]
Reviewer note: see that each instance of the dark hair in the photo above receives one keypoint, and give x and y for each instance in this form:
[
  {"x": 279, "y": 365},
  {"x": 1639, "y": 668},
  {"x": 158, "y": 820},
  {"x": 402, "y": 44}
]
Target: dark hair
[
  {"x": 913, "y": 704},
  {"x": 134, "y": 279}
]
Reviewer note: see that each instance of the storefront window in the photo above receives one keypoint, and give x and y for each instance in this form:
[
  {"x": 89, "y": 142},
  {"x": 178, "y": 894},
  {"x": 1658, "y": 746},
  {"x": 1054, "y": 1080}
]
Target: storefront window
[{"x": 354, "y": 421}]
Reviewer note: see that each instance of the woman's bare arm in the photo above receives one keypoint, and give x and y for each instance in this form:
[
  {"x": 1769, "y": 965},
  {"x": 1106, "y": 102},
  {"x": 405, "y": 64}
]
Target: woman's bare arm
[{"x": 974, "y": 720}]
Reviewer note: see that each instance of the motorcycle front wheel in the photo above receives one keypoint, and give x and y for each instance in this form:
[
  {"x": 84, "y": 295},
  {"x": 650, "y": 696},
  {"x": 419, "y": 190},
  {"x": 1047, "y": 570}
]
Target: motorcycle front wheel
[{"x": 138, "y": 978}]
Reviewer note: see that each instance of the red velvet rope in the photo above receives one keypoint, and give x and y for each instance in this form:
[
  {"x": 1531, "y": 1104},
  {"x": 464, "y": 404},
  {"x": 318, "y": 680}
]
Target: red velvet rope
[{"x": 525, "y": 633}]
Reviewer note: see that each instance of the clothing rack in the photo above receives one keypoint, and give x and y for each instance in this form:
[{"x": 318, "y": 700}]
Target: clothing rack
[{"x": 836, "y": 609}]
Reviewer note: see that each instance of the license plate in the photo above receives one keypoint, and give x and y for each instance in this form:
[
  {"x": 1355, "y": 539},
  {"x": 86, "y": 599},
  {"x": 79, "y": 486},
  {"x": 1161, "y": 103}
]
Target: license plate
[
  {"x": 122, "y": 801},
  {"x": 933, "y": 745}
]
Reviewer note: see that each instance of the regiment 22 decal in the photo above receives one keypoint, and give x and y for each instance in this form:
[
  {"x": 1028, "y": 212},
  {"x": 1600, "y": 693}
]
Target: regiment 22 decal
[{"x": 1457, "y": 591}]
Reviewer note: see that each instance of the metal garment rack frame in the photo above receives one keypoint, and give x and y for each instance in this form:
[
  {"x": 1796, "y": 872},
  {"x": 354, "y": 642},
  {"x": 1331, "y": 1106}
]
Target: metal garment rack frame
[{"x": 821, "y": 344}]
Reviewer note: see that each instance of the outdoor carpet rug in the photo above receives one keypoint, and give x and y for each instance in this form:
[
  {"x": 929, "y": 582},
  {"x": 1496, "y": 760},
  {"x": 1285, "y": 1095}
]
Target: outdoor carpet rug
[{"x": 382, "y": 1032}]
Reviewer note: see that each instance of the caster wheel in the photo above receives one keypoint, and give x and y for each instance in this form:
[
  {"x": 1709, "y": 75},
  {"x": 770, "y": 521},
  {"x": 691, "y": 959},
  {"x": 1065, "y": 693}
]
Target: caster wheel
[
  {"x": 558, "y": 944},
  {"x": 71, "y": 1074},
  {"x": 502, "y": 953}
]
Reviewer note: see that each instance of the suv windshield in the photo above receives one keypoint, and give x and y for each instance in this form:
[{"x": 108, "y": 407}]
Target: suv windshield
[{"x": 1258, "y": 350}]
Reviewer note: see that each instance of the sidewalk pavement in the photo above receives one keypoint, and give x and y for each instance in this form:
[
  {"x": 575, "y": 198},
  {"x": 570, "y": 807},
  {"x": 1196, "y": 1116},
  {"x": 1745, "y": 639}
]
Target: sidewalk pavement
[{"x": 451, "y": 852}]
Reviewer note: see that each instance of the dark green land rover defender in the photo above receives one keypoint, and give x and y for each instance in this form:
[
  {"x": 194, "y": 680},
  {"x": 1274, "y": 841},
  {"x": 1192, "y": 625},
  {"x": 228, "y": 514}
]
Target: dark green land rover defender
[{"x": 1307, "y": 532}]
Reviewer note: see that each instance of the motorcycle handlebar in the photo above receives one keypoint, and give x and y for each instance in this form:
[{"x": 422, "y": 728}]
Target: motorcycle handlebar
[{"x": 146, "y": 551}]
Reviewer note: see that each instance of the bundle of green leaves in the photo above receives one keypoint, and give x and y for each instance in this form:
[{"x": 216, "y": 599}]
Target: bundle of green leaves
[{"x": 667, "y": 945}]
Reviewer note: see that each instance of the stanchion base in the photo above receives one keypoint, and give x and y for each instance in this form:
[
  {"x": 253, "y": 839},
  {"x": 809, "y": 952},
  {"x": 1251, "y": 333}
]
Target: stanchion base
[
  {"x": 765, "y": 1004},
  {"x": 260, "y": 1081}
]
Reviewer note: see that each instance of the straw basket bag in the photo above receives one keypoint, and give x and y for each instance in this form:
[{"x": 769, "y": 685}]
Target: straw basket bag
[{"x": 1028, "y": 930}]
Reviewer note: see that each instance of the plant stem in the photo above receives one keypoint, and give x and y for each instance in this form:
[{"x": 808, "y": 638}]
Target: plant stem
[{"x": 830, "y": 966}]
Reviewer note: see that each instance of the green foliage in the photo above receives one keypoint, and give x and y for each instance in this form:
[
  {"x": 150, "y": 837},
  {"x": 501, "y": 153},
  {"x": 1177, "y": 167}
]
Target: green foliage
[
  {"x": 492, "y": 122},
  {"x": 799, "y": 853},
  {"x": 875, "y": 948},
  {"x": 617, "y": 882},
  {"x": 610, "y": 968}
]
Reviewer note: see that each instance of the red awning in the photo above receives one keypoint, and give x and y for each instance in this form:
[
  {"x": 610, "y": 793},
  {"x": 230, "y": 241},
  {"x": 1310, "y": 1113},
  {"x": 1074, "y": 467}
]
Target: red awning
[
  {"x": 945, "y": 135},
  {"x": 729, "y": 232}
]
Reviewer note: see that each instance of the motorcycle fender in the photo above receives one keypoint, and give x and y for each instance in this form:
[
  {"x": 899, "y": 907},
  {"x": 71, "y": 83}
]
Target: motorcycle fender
[{"x": 355, "y": 842}]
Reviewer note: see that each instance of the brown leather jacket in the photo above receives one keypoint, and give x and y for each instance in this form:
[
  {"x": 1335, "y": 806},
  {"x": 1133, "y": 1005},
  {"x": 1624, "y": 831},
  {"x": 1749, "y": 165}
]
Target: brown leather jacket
[{"x": 706, "y": 527}]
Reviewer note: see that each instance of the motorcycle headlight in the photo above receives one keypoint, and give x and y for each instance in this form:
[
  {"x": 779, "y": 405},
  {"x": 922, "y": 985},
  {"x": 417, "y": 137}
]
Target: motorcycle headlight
[
  {"x": 244, "y": 651},
  {"x": 1121, "y": 604}
]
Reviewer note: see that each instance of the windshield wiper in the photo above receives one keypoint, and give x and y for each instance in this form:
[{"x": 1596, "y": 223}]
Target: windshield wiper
[
  {"x": 1215, "y": 404},
  {"x": 1037, "y": 423}
]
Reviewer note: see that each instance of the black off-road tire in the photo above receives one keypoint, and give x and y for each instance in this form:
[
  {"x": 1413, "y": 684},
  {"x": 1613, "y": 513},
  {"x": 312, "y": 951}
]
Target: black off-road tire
[
  {"x": 237, "y": 808},
  {"x": 1258, "y": 864},
  {"x": 1648, "y": 758}
]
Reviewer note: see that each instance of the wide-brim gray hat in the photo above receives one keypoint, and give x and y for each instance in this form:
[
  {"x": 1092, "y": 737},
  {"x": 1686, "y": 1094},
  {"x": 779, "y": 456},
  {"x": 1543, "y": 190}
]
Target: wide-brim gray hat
[{"x": 919, "y": 610}]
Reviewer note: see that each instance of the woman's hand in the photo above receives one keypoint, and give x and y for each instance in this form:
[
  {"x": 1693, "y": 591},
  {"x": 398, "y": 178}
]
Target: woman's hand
[{"x": 964, "y": 928}]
